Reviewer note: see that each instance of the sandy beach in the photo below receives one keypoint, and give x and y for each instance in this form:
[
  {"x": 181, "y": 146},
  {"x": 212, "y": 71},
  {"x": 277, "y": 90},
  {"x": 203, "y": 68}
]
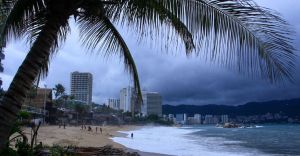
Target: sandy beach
[{"x": 75, "y": 136}]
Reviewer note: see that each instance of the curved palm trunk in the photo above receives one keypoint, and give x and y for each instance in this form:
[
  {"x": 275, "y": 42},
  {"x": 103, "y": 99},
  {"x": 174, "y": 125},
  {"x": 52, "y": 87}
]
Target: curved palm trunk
[{"x": 25, "y": 76}]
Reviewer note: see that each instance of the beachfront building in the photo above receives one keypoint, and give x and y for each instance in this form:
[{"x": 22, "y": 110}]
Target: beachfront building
[
  {"x": 191, "y": 121},
  {"x": 224, "y": 118},
  {"x": 128, "y": 99},
  {"x": 114, "y": 103},
  {"x": 194, "y": 120},
  {"x": 152, "y": 104},
  {"x": 81, "y": 86},
  {"x": 197, "y": 118},
  {"x": 39, "y": 104},
  {"x": 210, "y": 119},
  {"x": 172, "y": 118},
  {"x": 41, "y": 98},
  {"x": 181, "y": 118}
]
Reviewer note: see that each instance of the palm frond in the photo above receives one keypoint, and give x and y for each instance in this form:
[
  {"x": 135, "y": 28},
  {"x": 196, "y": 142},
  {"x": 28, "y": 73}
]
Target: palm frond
[
  {"x": 97, "y": 31},
  {"x": 234, "y": 33},
  {"x": 151, "y": 18},
  {"x": 239, "y": 33},
  {"x": 21, "y": 18},
  {"x": 27, "y": 20}
]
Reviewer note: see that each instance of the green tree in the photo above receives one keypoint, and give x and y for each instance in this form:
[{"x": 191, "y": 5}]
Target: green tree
[
  {"x": 81, "y": 110},
  {"x": 72, "y": 97},
  {"x": 59, "y": 90},
  {"x": 238, "y": 34}
]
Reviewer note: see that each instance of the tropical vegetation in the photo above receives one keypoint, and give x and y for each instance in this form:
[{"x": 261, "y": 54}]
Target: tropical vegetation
[
  {"x": 59, "y": 90},
  {"x": 234, "y": 33}
]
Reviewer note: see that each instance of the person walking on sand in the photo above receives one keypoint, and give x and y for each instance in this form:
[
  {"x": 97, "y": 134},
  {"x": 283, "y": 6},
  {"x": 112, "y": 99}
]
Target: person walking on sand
[
  {"x": 90, "y": 129},
  {"x": 100, "y": 130},
  {"x": 131, "y": 135}
]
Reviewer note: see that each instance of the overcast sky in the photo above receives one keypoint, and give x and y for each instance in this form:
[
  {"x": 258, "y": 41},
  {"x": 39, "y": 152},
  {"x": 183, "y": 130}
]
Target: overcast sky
[{"x": 179, "y": 79}]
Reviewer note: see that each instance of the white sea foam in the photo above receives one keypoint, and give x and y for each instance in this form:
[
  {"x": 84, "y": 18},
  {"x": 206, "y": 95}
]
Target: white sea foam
[
  {"x": 177, "y": 141},
  {"x": 259, "y": 126}
]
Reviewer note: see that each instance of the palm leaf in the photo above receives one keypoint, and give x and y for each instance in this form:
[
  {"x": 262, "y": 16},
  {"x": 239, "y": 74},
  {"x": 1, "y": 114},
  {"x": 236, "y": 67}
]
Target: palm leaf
[
  {"x": 234, "y": 33},
  {"x": 27, "y": 19},
  {"x": 97, "y": 31},
  {"x": 151, "y": 18},
  {"x": 239, "y": 32},
  {"x": 20, "y": 18}
]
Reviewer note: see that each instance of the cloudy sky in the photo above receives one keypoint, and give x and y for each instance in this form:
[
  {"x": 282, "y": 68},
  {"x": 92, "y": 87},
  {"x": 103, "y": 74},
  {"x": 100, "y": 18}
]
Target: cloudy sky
[{"x": 179, "y": 79}]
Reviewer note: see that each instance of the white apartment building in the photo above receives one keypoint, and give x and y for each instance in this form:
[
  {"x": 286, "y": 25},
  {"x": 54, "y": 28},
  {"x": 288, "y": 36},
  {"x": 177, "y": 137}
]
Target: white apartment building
[
  {"x": 114, "y": 103},
  {"x": 181, "y": 118},
  {"x": 152, "y": 104},
  {"x": 197, "y": 118},
  {"x": 224, "y": 118},
  {"x": 128, "y": 99},
  {"x": 210, "y": 119},
  {"x": 81, "y": 86}
]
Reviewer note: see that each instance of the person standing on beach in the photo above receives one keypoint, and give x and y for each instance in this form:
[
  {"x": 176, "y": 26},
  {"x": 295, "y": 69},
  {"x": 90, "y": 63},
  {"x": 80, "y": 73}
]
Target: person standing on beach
[
  {"x": 100, "y": 130},
  {"x": 96, "y": 129},
  {"x": 131, "y": 135},
  {"x": 64, "y": 125}
]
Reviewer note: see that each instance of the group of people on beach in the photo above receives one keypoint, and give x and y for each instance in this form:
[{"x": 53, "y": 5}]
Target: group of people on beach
[
  {"x": 89, "y": 128},
  {"x": 83, "y": 127}
]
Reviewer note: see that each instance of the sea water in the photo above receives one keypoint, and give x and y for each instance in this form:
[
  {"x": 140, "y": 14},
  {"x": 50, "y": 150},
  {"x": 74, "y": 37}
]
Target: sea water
[{"x": 274, "y": 140}]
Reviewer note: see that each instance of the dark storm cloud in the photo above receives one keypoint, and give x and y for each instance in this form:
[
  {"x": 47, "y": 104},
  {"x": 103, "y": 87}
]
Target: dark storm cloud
[
  {"x": 179, "y": 79},
  {"x": 190, "y": 81}
]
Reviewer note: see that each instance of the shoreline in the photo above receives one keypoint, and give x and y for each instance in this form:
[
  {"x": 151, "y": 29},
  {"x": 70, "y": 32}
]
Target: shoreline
[{"x": 75, "y": 136}]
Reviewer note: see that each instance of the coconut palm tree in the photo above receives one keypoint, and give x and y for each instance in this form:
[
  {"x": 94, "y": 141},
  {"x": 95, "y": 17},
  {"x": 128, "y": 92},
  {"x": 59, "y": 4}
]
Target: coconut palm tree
[
  {"x": 234, "y": 33},
  {"x": 59, "y": 90}
]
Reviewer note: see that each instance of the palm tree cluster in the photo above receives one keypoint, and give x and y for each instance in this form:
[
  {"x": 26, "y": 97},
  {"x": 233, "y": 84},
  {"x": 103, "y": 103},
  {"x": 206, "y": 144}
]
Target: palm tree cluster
[
  {"x": 234, "y": 33},
  {"x": 59, "y": 90}
]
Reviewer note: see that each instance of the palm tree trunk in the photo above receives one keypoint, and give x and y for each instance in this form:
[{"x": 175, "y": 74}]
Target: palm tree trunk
[{"x": 25, "y": 76}]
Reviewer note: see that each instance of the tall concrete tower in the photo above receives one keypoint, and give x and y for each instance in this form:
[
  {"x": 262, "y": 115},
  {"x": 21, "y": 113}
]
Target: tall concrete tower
[{"x": 82, "y": 86}]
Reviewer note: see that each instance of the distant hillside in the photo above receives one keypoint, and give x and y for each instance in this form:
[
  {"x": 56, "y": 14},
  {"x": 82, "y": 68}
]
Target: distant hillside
[{"x": 288, "y": 107}]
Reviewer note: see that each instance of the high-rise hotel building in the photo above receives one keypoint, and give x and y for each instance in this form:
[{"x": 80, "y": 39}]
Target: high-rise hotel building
[
  {"x": 81, "y": 86},
  {"x": 114, "y": 103},
  {"x": 152, "y": 104},
  {"x": 128, "y": 100}
]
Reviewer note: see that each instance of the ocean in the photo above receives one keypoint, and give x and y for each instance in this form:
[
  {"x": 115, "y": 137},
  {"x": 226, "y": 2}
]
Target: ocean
[{"x": 264, "y": 140}]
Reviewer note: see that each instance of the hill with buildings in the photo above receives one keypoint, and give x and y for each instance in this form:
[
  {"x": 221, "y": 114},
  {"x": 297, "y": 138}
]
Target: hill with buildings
[{"x": 286, "y": 107}]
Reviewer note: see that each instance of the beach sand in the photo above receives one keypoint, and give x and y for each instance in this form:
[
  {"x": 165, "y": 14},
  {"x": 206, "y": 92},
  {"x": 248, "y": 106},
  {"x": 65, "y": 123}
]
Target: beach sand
[{"x": 75, "y": 136}]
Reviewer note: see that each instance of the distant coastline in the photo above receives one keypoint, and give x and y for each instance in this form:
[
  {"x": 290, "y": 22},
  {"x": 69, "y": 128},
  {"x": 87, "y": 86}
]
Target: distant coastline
[{"x": 277, "y": 111}]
